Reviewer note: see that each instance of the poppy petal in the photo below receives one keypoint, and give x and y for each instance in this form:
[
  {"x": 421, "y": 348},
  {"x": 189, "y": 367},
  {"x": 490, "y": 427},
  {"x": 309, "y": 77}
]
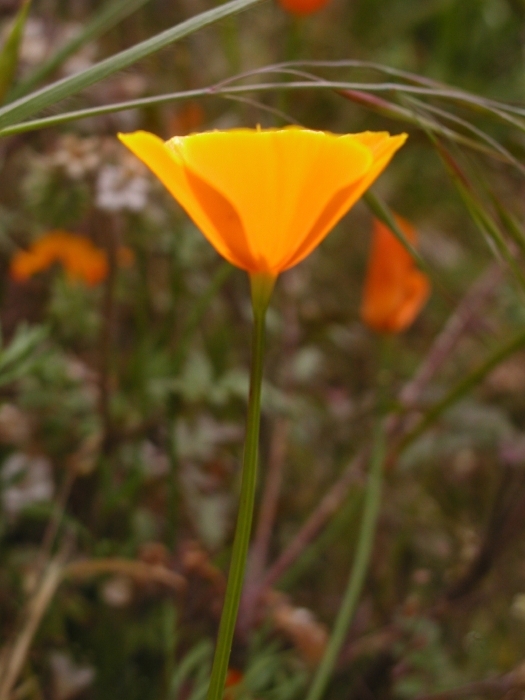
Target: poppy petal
[
  {"x": 383, "y": 148},
  {"x": 417, "y": 290},
  {"x": 215, "y": 220},
  {"x": 395, "y": 290},
  {"x": 278, "y": 183}
]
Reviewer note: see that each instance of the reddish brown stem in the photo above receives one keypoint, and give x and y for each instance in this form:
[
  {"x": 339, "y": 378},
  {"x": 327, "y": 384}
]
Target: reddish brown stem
[
  {"x": 492, "y": 687},
  {"x": 328, "y": 506},
  {"x": 468, "y": 310}
]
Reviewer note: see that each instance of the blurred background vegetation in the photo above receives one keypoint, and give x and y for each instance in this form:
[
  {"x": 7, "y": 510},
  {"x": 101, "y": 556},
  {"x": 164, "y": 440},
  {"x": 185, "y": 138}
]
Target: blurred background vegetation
[{"x": 123, "y": 397}]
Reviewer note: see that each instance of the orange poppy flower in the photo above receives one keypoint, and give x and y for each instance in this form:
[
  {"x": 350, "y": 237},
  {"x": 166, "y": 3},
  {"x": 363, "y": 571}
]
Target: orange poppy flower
[
  {"x": 395, "y": 290},
  {"x": 303, "y": 7},
  {"x": 266, "y": 198},
  {"x": 80, "y": 258}
]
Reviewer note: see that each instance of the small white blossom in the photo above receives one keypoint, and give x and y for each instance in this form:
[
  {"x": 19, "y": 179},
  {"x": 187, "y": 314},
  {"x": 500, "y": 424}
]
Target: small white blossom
[
  {"x": 77, "y": 156},
  {"x": 69, "y": 678},
  {"x": 26, "y": 480},
  {"x": 34, "y": 47},
  {"x": 119, "y": 188}
]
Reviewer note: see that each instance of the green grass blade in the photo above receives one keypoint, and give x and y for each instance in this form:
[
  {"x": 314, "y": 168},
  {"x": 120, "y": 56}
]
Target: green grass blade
[
  {"x": 512, "y": 225},
  {"x": 9, "y": 53},
  {"x": 479, "y": 214},
  {"x": 490, "y": 146},
  {"x": 463, "y": 388},
  {"x": 35, "y": 102},
  {"x": 384, "y": 214},
  {"x": 57, "y": 119},
  {"x": 200, "y": 655},
  {"x": 17, "y": 357},
  {"x": 394, "y": 111},
  {"x": 109, "y": 16},
  {"x": 358, "y": 92}
]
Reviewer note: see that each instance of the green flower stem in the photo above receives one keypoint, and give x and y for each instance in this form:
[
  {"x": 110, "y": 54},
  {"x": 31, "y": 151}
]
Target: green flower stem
[
  {"x": 261, "y": 290},
  {"x": 364, "y": 548}
]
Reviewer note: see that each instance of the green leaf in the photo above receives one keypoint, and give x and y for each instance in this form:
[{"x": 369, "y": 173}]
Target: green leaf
[
  {"x": 50, "y": 95},
  {"x": 197, "y": 657},
  {"x": 17, "y": 357},
  {"x": 479, "y": 214},
  {"x": 9, "y": 54},
  {"x": 512, "y": 226},
  {"x": 109, "y": 16}
]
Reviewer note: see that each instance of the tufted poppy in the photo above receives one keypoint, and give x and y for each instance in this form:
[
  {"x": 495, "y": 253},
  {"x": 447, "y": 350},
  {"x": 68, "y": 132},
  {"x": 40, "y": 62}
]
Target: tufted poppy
[
  {"x": 395, "y": 290},
  {"x": 303, "y": 7},
  {"x": 265, "y": 198}
]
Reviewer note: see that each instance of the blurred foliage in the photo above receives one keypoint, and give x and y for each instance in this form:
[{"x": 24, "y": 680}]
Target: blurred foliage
[{"x": 123, "y": 405}]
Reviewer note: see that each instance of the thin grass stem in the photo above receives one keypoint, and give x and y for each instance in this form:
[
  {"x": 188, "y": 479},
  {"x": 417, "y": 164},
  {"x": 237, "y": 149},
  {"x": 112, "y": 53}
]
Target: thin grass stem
[
  {"x": 360, "y": 567},
  {"x": 364, "y": 547}
]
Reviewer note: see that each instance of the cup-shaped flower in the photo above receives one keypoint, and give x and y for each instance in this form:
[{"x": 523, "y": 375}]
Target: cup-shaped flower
[
  {"x": 303, "y": 7},
  {"x": 265, "y": 198},
  {"x": 395, "y": 290}
]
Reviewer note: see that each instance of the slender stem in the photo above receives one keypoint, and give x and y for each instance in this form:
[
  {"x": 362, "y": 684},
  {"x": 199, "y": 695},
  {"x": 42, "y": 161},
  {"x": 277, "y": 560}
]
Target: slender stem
[
  {"x": 36, "y": 608},
  {"x": 330, "y": 504},
  {"x": 247, "y": 498},
  {"x": 462, "y": 388},
  {"x": 263, "y": 530},
  {"x": 274, "y": 470},
  {"x": 107, "y": 335},
  {"x": 55, "y": 521},
  {"x": 173, "y": 494},
  {"x": 360, "y": 567},
  {"x": 467, "y": 316}
]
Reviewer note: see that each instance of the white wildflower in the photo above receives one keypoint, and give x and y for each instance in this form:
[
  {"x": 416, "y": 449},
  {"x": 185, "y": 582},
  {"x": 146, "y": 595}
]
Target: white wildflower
[
  {"x": 121, "y": 187},
  {"x": 26, "y": 480},
  {"x": 77, "y": 156}
]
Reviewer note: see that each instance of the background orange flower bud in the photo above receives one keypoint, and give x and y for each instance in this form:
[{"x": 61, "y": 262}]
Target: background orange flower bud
[
  {"x": 395, "y": 290},
  {"x": 233, "y": 678},
  {"x": 80, "y": 258},
  {"x": 303, "y": 7},
  {"x": 187, "y": 119}
]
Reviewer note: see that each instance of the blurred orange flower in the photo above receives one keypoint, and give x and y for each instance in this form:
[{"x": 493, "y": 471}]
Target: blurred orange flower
[
  {"x": 80, "y": 258},
  {"x": 233, "y": 678},
  {"x": 395, "y": 290},
  {"x": 187, "y": 119},
  {"x": 303, "y": 7},
  {"x": 265, "y": 198}
]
